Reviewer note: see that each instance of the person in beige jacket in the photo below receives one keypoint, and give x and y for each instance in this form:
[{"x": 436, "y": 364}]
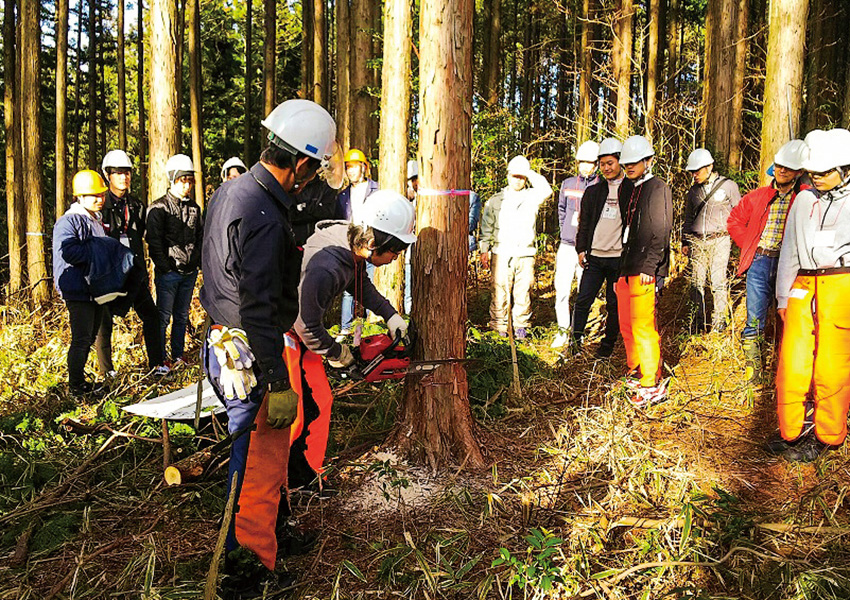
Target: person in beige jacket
[{"x": 508, "y": 231}]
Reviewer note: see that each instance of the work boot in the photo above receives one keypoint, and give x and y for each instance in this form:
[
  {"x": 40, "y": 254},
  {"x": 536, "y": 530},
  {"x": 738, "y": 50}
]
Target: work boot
[
  {"x": 806, "y": 448},
  {"x": 292, "y": 541},
  {"x": 245, "y": 577},
  {"x": 605, "y": 350},
  {"x": 752, "y": 356}
]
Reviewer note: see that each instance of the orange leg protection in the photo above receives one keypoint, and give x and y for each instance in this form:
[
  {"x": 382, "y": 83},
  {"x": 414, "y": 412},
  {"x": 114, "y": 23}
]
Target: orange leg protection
[{"x": 636, "y": 309}]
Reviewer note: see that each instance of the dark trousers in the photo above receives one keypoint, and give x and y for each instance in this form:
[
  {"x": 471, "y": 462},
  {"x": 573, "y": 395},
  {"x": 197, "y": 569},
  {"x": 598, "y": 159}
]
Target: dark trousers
[
  {"x": 598, "y": 271},
  {"x": 85, "y": 318},
  {"x": 144, "y": 306},
  {"x": 174, "y": 297}
]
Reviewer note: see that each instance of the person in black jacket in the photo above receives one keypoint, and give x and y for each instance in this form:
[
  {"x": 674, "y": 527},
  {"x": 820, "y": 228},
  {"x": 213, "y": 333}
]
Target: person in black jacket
[
  {"x": 175, "y": 230},
  {"x": 644, "y": 262},
  {"x": 252, "y": 265},
  {"x": 124, "y": 220},
  {"x": 316, "y": 202},
  {"x": 599, "y": 243}
]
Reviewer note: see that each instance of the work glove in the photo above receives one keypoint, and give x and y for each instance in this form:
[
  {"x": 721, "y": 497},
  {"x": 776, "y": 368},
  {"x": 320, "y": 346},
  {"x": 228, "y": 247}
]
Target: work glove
[
  {"x": 345, "y": 358},
  {"x": 398, "y": 327},
  {"x": 283, "y": 406},
  {"x": 234, "y": 362}
]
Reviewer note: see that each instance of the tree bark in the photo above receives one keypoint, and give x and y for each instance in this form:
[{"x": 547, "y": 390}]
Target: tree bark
[
  {"x": 361, "y": 50},
  {"x": 652, "y": 65},
  {"x": 31, "y": 146},
  {"x": 395, "y": 119},
  {"x": 673, "y": 48},
  {"x": 61, "y": 108},
  {"x": 343, "y": 73},
  {"x": 435, "y": 420},
  {"x": 92, "y": 66},
  {"x": 845, "y": 119},
  {"x": 140, "y": 96},
  {"x": 493, "y": 74},
  {"x": 163, "y": 91},
  {"x": 720, "y": 63},
  {"x": 306, "y": 49},
  {"x": 737, "y": 113},
  {"x": 11, "y": 121},
  {"x": 122, "y": 81},
  {"x": 101, "y": 77},
  {"x": 320, "y": 71},
  {"x": 623, "y": 41},
  {"x": 585, "y": 76},
  {"x": 784, "y": 78},
  {"x": 78, "y": 85},
  {"x": 249, "y": 76},
  {"x": 269, "y": 55},
  {"x": 196, "y": 87},
  {"x": 178, "y": 71}
]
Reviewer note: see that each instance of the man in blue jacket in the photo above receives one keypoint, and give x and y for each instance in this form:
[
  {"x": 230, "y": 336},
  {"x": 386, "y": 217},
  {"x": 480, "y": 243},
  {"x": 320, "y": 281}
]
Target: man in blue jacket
[{"x": 251, "y": 267}]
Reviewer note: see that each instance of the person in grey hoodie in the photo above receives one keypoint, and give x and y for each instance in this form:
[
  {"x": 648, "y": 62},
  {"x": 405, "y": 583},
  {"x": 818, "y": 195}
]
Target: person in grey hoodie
[
  {"x": 508, "y": 231},
  {"x": 335, "y": 260}
]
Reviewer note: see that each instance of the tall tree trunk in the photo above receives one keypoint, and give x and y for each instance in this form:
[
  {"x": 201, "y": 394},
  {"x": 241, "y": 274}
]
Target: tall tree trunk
[
  {"x": 163, "y": 90},
  {"x": 196, "y": 87},
  {"x": 92, "y": 65},
  {"x": 269, "y": 55},
  {"x": 249, "y": 84},
  {"x": 492, "y": 81},
  {"x": 11, "y": 120},
  {"x": 78, "y": 85},
  {"x": 140, "y": 96},
  {"x": 673, "y": 48},
  {"x": 343, "y": 73},
  {"x": 585, "y": 76},
  {"x": 31, "y": 146},
  {"x": 623, "y": 42},
  {"x": 527, "y": 79},
  {"x": 565, "y": 88},
  {"x": 122, "y": 82},
  {"x": 61, "y": 109},
  {"x": 375, "y": 33},
  {"x": 652, "y": 54},
  {"x": 720, "y": 56},
  {"x": 320, "y": 71},
  {"x": 361, "y": 50},
  {"x": 435, "y": 419},
  {"x": 178, "y": 70},
  {"x": 395, "y": 119},
  {"x": 737, "y": 112},
  {"x": 306, "y": 49},
  {"x": 845, "y": 119},
  {"x": 101, "y": 76},
  {"x": 783, "y": 83}
]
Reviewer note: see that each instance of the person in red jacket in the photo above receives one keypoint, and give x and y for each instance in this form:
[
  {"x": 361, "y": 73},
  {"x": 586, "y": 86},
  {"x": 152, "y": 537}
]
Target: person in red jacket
[{"x": 756, "y": 225}]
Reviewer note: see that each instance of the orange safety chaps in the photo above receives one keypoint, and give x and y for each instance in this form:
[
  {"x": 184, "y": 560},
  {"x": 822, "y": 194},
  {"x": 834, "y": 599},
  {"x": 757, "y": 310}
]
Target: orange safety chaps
[{"x": 636, "y": 309}]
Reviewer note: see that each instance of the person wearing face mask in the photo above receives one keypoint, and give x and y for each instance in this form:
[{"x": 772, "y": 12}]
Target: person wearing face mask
[
  {"x": 756, "y": 225},
  {"x": 89, "y": 270},
  {"x": 508, "y": 231},
  {"x": 251, "y": 265},
  {"x": 812, "y": 285},
  {"x": 349, "y": 208},
  {"x": 705, "y": 237},
  {"x": 599, "y": 243},
  {"x": 567, "y": 266},
  {"x": 174, "y": 233},
  {"x": 335, "y": 259},
  {"x": 644, "y": 263}
]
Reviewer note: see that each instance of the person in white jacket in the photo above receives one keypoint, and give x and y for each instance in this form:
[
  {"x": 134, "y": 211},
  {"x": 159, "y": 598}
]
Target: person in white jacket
[{"x": 508, "y": 231}]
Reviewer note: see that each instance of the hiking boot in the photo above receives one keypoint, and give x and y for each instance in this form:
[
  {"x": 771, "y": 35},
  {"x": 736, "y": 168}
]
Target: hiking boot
[
  {"x": 604, "y": 351},
  {"x": 806, "y": 448},
  {"x": 561, "y": 339},
  {"x": 162, "y": 370},
  {"x": 246, "y": 577},
  {"x": 292, "y": 541},
  {"x": 644, "y": 397},
  {"x": 520, "y": 333}
]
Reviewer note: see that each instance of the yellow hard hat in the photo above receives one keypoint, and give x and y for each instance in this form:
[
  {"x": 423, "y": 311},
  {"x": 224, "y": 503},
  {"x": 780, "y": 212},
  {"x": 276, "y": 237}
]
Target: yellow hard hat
[
  {"x": 355, "y": 155},
  {"x": 88, "y": 183}
]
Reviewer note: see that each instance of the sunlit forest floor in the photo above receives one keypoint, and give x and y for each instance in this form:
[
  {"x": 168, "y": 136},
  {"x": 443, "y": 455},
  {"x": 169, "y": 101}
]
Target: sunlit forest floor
[{"x": 585, "y": 497}]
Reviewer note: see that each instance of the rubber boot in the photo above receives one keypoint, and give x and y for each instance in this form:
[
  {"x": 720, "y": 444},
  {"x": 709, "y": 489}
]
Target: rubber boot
[{"x": 752, "y": 356}]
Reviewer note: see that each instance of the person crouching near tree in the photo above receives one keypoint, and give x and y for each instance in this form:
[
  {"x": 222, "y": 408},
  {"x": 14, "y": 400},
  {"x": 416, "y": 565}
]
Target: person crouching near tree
[
  {"x": 335, "y": 260},
  {"x": 812, "y": 286},
  {"x": 645, "y": 260}
]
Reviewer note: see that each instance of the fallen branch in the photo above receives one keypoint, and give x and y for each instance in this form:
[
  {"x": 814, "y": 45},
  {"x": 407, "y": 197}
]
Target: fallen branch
[
  {"x": 791, "y": 528},
  {"x": 85, "y": 429},
  {"x": 212, "y": 575},
  {"x": 643, "y": 523}
]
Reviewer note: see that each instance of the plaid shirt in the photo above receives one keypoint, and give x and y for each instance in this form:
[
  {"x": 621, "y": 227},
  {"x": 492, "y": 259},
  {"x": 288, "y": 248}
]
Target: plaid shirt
[{"x": 771, "y": 237}]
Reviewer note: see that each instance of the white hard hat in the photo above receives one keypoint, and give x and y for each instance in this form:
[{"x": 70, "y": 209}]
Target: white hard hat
[
  {"x": 302, "y": 126},
  {"x": 234, "y": 161},
  {"x": 179, "y": 165},
  {"x": 588, "y": 152},
  {"x": 519, "y": 165},
  {"x": 793, "y": 154},
  {"x": 412, "y": 169},
  {"x": 827, "y": 150},
  {"x": 610, "y": 146},
  {"x": 115, "y": 159},
  {"x": 635, "y": 149},
  {"x": 698, "y": 159},
  {"x": 391, "y": 213}
]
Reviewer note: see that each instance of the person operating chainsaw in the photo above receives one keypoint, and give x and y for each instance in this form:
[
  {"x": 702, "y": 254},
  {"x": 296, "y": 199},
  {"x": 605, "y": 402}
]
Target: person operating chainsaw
[{"x": 335, "y": 259}]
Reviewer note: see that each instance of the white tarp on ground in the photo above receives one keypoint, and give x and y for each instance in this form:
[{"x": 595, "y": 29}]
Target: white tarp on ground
[{"x": 179, "y": 405}]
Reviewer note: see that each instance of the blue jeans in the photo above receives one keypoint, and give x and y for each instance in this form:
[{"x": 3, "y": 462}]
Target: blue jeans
[
  {"x": 347, "y": 321},
  {"x": 761, "y": 288},
  {"x": 173, "y": 297}
]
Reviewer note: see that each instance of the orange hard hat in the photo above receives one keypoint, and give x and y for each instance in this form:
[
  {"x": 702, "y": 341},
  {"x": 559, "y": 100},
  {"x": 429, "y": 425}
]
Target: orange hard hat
[
  {"x": 88, "y": 183},
  {"x": 355, "y": 155}
]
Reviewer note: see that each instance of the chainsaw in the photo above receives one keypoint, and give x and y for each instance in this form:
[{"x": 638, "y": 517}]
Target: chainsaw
[{"x": 380, "y": 357}]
